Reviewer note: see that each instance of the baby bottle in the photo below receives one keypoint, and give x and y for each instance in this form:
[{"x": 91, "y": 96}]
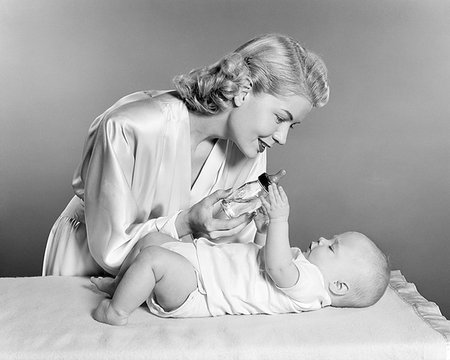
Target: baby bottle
[{"x": 246, "y": 199}]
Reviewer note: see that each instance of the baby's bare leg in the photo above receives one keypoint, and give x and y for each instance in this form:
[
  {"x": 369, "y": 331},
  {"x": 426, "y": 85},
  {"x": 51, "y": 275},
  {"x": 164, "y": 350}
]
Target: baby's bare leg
[
  {"x": 108, "y": 284},
  {"x": 152, "y": 239},
  {"x": 170, "y": 275}
]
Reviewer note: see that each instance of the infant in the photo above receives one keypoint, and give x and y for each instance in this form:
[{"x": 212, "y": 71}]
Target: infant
[{"x": 267, "y": 276}]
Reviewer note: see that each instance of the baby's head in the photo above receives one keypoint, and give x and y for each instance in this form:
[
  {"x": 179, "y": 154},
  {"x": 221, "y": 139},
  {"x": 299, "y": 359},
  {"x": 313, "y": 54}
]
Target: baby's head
[{"x": 355, "y": 271}]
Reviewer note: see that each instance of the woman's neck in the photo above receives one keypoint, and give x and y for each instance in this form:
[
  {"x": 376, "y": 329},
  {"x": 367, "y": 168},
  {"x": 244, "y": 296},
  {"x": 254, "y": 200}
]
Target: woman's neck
[{"x": 207, "y": 128}]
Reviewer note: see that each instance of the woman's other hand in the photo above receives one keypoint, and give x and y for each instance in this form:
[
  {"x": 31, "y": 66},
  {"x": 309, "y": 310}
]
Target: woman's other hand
[{"x": 199, "y": 220}]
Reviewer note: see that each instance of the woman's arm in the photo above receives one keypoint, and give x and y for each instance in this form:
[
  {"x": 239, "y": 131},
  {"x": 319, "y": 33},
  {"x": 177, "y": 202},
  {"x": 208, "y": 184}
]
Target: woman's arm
[
  {"x": 119, "y": 178},
  {"x": 113, "y": 213},
  {"x": 278, "y": 255}
]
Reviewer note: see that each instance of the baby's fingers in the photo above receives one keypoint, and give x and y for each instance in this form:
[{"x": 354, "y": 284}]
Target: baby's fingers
[
  {"x": 265, "y": 204},
  {"x": 276, "y": 193},
  {"x": 262, "y": 210},
  {"x": 283, "y": 195},
  {"x": 271, "y": 196}
]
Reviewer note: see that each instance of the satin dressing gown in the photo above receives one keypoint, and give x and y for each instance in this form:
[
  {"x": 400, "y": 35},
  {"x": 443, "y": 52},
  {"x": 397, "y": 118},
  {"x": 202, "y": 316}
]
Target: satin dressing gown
[{"x": 134, "y": 178}]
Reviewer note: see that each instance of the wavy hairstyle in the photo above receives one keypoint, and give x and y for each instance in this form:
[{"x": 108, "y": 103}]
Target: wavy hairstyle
[{"x": 276, "y": 64}]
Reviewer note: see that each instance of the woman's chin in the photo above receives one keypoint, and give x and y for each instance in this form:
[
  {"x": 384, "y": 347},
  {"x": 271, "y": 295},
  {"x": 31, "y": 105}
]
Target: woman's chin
[
  {"x": 252, "y": 154},
  {"x": 249, "y": 152}
]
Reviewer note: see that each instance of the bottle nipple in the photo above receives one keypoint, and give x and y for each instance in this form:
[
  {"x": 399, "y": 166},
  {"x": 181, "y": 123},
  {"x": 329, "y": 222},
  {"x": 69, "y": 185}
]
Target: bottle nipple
[
  {"x": 265, "y": 179},
  {"x": 277, "y": 177}
]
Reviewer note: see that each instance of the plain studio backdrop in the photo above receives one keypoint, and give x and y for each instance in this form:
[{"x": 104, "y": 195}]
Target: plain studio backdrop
[{"x": 376, "y": 159}]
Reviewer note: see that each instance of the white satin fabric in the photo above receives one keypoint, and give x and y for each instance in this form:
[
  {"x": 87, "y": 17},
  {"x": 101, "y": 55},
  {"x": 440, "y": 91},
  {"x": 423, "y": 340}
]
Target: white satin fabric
[{"x": 134, "y": 178}]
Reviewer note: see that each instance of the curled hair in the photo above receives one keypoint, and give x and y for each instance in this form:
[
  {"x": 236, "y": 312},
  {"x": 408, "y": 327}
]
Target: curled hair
[
  {"x": 208, "y": 90},
  {"x": 275, "y": 64}
]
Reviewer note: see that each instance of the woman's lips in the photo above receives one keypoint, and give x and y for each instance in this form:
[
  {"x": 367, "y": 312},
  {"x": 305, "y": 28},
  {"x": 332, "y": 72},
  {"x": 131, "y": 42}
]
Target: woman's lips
[{"x": 262, "y": 146}]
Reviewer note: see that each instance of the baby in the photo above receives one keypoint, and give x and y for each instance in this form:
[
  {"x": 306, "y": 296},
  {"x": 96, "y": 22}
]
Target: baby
[{"x": 201, "y": 279}]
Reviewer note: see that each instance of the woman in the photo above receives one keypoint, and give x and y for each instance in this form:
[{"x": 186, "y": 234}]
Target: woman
[{"x": 159, "y": 161}]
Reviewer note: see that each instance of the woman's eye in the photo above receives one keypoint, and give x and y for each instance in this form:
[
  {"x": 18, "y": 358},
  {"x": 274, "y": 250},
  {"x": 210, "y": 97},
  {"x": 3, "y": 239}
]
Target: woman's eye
[{"x": 279, "y": 119}]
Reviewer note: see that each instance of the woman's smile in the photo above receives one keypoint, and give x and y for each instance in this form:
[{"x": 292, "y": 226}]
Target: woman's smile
[
  {"x": 262, "y": 146},
  {"x": 261, "y": 121}
]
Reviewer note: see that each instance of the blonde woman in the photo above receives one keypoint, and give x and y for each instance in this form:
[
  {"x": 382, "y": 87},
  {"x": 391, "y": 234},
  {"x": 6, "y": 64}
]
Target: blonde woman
[{"x": 158, "y": 161}]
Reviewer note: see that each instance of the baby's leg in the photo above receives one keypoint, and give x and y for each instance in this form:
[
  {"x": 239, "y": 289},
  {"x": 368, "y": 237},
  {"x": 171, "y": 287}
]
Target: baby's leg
[
  {"x": 152, "y": 239},
  {"x": 108, "y": 284},
  {"x": 170, "y": 275}
]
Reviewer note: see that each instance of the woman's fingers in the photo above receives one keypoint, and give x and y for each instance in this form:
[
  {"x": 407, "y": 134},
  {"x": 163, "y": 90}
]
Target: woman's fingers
[
  {"x": 229, "y": 227},
  {"x": 217, "y": 195},
  {"x": 230, "y": 232},
  {"x": 230, "y": 224}
]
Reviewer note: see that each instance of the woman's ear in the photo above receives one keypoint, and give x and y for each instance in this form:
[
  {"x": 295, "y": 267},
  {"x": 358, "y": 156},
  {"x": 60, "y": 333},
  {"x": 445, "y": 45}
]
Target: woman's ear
[
  {"x": 243, "y": 94},
  {"x": 338, "y": 288}
]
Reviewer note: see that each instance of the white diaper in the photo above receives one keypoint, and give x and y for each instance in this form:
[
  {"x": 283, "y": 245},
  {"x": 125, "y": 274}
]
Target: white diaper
[{"x": 195, "y": 305}]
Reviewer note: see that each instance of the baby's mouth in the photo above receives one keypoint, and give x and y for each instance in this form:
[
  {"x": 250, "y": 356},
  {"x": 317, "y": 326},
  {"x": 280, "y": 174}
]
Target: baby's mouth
[{"x": 307, "y": 252}]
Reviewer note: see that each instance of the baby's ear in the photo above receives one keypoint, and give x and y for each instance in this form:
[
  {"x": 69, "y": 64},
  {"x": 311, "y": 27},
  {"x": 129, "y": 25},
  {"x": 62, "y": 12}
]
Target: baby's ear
[{"x": 338, "y": 288}]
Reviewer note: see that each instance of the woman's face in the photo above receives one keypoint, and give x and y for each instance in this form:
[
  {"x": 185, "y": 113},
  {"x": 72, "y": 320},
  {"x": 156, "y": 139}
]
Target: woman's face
[{"x": 263, "y": 120}]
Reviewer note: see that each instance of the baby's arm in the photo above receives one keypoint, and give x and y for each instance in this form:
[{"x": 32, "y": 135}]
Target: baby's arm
[
  {"x": 278, "y": 255},
  {"x": 261, "y": 220}
]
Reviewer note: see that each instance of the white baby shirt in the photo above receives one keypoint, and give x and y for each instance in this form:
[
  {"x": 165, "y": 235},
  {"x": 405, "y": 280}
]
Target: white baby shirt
[{"x": 235, "y": 282}]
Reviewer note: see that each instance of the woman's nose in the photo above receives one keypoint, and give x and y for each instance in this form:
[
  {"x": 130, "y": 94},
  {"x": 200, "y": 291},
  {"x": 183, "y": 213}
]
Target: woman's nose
[{"x": 280, "y": 136}]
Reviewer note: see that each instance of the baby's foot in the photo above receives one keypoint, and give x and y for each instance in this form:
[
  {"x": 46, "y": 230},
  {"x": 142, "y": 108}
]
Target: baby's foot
[
  {"x": 105, "y": 313},
  {"x": 107, "y": 284}
]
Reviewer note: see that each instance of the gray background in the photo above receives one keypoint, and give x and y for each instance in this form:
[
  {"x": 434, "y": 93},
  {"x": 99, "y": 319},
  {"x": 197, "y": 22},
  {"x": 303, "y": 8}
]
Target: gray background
[{"x": 376, "y": 159}]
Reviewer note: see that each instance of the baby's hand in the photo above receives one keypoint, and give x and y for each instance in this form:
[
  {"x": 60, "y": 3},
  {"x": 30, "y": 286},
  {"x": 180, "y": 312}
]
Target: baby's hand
[
  {"x": 261, "y": 220},
  {"x": 276, "y": 205}
]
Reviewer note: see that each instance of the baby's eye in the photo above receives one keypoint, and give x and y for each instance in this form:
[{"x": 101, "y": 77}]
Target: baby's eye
[
  {"x": 294, "y": 124},
  {"x": 331, "y": 248}
]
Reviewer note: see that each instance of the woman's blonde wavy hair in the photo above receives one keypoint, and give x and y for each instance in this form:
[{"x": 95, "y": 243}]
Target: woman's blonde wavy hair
[{"x": 275, "y": 64}]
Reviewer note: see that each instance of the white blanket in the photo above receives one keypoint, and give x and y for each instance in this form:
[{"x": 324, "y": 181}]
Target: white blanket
[{"x": 50, "y": 318}]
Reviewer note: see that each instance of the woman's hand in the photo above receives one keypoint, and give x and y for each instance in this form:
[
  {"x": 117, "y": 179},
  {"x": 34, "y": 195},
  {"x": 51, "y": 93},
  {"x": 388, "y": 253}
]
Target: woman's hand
[{"x": 199, "y": 220}]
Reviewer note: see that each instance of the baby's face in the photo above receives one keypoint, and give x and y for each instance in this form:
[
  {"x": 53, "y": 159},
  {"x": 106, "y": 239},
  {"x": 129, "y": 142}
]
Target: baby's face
[{"x": 336, "y": 256}]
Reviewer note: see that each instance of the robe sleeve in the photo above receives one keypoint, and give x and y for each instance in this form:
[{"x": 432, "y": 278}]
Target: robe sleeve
[{"x": 114, "y": 219}]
